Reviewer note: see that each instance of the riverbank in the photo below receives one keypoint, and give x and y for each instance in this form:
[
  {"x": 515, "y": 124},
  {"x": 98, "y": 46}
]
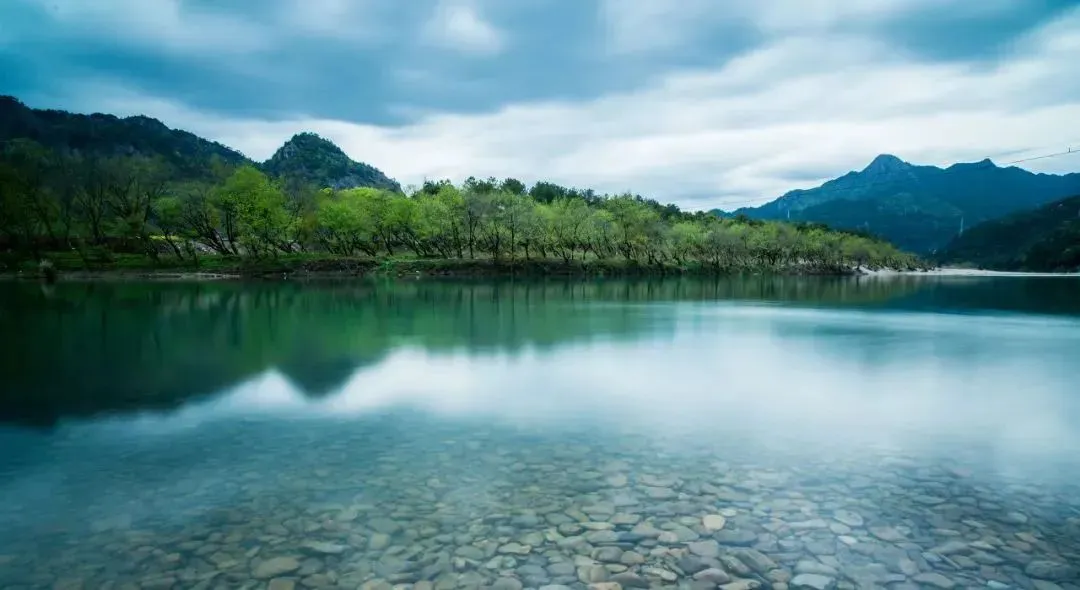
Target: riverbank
[
  {"x": 302, "y": 266},
  {"x": 965, "y": 272}
]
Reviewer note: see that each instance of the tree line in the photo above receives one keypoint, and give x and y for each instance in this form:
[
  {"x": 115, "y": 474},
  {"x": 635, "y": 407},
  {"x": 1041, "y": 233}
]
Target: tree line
[{"x": 98, "y": 205}]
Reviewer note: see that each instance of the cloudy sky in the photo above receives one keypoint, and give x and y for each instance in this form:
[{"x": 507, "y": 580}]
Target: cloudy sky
[{"x": 701, "y": 102}]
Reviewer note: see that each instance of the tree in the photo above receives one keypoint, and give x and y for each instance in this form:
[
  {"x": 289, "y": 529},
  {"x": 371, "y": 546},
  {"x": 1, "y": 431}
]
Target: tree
[{"x": 262, "y": 224}]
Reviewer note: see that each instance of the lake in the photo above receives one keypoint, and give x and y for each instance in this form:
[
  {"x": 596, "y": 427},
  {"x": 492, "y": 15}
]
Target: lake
[{"x": 756, "y": 433}]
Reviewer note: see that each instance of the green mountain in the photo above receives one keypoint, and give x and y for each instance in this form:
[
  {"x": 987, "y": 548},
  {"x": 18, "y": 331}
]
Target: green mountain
[
  {"x": 306, "y": 157},
  {"x": 919, "y": 208},
  {"x": 1045, "y": 239},
  {"x": 317, "y": 161}
]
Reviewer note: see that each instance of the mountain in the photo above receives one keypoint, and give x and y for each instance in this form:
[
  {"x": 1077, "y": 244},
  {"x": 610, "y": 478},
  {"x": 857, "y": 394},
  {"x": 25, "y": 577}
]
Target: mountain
[
  {"x": 108, "y": 135},
  {"x": 1044, "y": 239},
  {"x": 306, "y": 157},
  {"x": 919, "y": 208},
  {"x": 319, "y": 162}
]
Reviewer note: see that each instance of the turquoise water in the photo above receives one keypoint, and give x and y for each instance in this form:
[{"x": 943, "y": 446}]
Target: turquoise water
[{"x": 746, "y": 433}]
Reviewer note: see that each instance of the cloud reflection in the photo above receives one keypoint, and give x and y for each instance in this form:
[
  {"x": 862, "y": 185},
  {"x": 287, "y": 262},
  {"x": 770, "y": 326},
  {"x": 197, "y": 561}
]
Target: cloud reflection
[{"x": 795, "y": 380}]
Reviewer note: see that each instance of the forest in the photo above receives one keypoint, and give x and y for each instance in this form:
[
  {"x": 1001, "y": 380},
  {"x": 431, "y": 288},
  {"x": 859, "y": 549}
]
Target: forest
[{"x": 94, "y": 209}]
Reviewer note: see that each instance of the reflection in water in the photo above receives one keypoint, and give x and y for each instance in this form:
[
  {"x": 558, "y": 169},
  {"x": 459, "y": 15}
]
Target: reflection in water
[{"x": 789, "y": 432}]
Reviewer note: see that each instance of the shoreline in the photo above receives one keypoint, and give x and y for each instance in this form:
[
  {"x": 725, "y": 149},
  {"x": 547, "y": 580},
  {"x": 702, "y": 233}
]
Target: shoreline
[
  {"x": 967, "y": 272},
  {"x": 305, "y": 268},
  {"x": 301, "y": 269}
]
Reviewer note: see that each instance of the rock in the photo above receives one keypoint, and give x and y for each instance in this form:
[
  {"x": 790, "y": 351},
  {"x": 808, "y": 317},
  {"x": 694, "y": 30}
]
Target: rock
[
  {"x": 554, "y": 587},
  {"x": 807, "y": 566},
  {"x": 470, "y": 552},
  {"x": 281, "y": 584},
  {"x": 631, "y": 558},
  {"x": 1013, "y": 518},
  {"x": 601, "y": 537},
  {"x": 616, "y": 481},
  {"x": 934, "y": 579},
  {"x": 713, "y": 522},
  {"x": 590, "y": 574},
  {"x": 507, "y": 583},
  {"x": 951, "y": 548},
  {"x": 384, "y": 525},
  {"x": 668, "y": 538},
  {"x": 1051, "y": 570},
  {"x": 323, "y": 548},
  {"x": 630, "y": 580},
  {"x": 608, "y": 554},
  {"x": 849, "y": 518},
  {"x": 655, "y": 493},
  {"x": 887, "y": 533},
  {"x": 561, "y": 568},
  {"x": 779, "y": 576},
  {"x": 167, "y": 582},
  {"x": 756, "y": 560},
  {"x": 646, "y": 529},
  {"x": 741, "y": 585},
  {"x": 715, "y": 576},
  {"x": 515, "y": 549},
  {"x": 709, "y": 548},
  {"x": 807, "y": 525},
  {"x": 1044, "y": 585},
  {"x": 274, "y": 567},
  {"x": 736, "y": 538},
  {"x": 660, "y": 573},
  {"x": 605, "y": 586},
  {"x": 812, "y": 582}
]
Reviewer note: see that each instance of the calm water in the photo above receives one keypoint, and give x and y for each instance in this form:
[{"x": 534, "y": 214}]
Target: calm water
[{"x": 758, "y": 433}]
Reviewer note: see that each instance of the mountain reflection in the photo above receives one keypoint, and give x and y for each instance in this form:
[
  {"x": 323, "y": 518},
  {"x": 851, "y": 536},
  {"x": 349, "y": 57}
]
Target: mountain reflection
[{"x": 87, "y": 349}]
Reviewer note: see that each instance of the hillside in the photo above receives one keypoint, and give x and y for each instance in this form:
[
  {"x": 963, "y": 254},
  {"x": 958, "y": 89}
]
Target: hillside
[
  {"x": 306, "y": 157},
  {"x": 317, "y": 161},
  {"x": 919, "y": 208},
  {"x": 107, "y": 135},
  {"x": 1045, "y": 239}
]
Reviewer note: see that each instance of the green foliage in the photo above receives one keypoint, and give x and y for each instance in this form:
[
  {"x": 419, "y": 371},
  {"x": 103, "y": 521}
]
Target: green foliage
[
  {"x": 103, "y": 208},
  {"x": 1045, "y": 239}
]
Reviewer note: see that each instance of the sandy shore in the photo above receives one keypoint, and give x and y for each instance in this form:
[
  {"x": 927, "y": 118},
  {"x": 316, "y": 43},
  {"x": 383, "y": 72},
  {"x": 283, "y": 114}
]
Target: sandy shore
[{"x": 967, "y": 272}]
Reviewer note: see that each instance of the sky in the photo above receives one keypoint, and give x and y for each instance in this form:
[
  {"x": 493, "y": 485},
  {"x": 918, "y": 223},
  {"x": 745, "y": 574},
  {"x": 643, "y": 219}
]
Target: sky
[{"x": 704, "y": 103}]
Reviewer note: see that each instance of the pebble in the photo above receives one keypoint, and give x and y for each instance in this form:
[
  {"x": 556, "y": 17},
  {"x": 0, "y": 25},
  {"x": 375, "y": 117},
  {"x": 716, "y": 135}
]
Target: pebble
[
  {"x": 812, "y": 582},
  {"x": 935, "y": 579},
  {"x": 714, "y": 522},
  {"x": 1052, "y": 570},
  {"x": 274, "y": 567},
  {"x": 495, "y": 516}
]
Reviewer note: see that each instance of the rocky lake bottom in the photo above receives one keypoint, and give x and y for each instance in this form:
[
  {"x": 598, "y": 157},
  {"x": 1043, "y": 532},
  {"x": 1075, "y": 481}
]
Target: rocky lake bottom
[{"x": 422, "y": 504}]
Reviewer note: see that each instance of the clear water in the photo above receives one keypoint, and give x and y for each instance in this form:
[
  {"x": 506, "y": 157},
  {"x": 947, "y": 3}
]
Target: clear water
[{"x": 752, "y": 433}]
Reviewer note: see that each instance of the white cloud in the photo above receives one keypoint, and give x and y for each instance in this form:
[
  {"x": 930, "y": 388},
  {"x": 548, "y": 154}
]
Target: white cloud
[
  {"x": 634, "y": 26},
  {"x": 345, "y": 20},
  {"x": 169, "y": 24},
  {"x": 727, "y": 136},
  {"x": 458, "y": 25}
]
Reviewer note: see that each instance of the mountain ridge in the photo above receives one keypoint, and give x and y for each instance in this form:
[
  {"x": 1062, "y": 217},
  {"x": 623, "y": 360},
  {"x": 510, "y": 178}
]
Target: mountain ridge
[
  {"x": 918, "y": 207},
  {"x": 313, "y": 159}
]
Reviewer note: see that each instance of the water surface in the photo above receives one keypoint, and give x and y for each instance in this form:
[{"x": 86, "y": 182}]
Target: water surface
[{"x": 884, "y": 432}]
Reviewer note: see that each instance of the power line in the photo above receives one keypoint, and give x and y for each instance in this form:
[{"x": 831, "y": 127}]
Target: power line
[{"x": 981, "y": 165}]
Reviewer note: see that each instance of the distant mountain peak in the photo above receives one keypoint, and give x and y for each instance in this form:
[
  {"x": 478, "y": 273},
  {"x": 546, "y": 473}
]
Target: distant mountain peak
[
  {"x": 316, "y": 160},
  {"x": 885, "y": 163}
]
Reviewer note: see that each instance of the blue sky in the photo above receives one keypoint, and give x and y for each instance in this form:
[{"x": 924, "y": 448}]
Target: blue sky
[{"x": 700, "y": 102}]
